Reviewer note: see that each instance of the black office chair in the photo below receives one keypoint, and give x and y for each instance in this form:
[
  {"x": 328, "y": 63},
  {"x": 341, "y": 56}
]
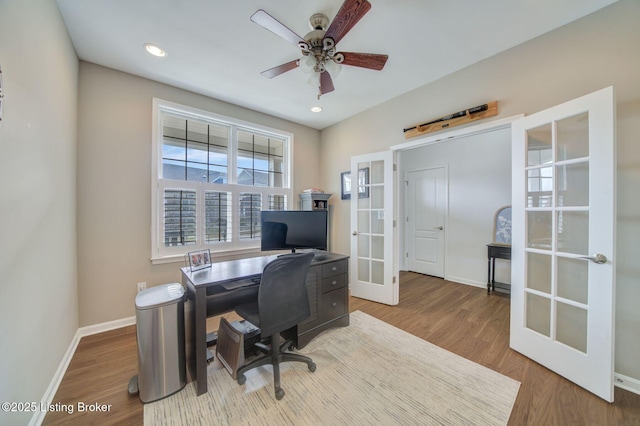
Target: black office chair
[{"x": 283, "y": 302}]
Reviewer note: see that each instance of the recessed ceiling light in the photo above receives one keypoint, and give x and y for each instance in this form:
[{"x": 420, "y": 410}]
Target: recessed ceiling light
[
  {"x": 316, "y": 109},
  {"x": 155, "y": 50}
]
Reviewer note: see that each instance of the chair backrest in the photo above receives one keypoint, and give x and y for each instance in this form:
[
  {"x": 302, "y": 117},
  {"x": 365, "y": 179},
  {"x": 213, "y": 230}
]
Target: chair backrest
[{"x": 283, "y": 299}]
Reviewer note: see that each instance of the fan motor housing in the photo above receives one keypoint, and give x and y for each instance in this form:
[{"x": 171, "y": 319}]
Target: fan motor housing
[{"x": 319, "y": 21}]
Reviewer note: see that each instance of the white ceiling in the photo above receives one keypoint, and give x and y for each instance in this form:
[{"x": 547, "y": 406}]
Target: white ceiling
[{"x": 215, "y": 50}]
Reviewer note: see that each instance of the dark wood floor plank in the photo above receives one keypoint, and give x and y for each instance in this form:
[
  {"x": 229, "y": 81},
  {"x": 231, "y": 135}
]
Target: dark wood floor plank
[{"x": 459, "y": 318}]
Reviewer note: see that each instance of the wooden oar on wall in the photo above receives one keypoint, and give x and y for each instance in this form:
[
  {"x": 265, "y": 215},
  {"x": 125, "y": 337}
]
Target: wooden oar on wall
[{"x": 457, "y": 118}]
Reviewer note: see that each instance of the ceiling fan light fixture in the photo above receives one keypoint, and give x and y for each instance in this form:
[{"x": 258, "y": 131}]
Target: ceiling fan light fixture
[
  {"x": 314, "y": 79},
  {"x": 319, "y": 56},
  {"x": 333, "y": 68},
  {"x": 155, "y": 50},
  {"x": 307, "y": 64}
]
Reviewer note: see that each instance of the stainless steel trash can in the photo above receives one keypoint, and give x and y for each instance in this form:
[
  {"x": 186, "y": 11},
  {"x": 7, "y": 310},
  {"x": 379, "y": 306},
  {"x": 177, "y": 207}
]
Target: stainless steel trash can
[{"x": 160, "y": 335}]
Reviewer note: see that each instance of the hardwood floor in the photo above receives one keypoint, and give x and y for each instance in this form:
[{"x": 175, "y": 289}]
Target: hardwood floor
[
  {"x": 99, "y": 373},
  {"x": 459, "y": 318}
]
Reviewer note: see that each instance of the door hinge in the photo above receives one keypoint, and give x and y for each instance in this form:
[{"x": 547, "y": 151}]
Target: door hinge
[
  {"x": 395, "y": 223},
  {"x": 407, "y": 254},
  {"x": 394, "y": 280},
  {"x": 395, "y": 167}
]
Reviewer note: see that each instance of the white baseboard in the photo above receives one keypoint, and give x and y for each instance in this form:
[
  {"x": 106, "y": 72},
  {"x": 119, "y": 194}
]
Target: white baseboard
[
  {"x": 38, "y": 416},
  {"x": 626, "y": 383},
  {"x": 106, "y": 326},
  {"x": 465, "y": 281}
]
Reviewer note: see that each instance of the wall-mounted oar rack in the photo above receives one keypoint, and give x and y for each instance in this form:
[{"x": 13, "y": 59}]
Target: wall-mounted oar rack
[{"x": 456, "y": 119}]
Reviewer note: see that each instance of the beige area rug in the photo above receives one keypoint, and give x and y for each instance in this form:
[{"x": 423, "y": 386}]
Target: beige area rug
[{"x": 369, "y": 373}]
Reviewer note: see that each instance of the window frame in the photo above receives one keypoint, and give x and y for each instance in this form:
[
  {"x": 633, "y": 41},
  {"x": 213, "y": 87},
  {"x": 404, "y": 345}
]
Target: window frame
[{"x": 160, "y": 253}]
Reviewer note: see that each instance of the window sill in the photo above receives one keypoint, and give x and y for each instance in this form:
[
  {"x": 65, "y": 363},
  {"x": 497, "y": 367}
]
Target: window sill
[{"x": 220, "y": 256}]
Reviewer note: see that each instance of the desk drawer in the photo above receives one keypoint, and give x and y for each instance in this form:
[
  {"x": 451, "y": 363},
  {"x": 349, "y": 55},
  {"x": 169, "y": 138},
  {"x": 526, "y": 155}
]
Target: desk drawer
[
  {"x": 334, "y": 268},
  {"x": 334, "y": 283},
  {"x": 334, "y": 304}
]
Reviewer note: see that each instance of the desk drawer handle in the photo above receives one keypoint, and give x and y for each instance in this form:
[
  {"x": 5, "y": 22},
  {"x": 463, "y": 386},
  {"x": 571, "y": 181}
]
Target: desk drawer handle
[
  {"x": 334, "y": 304},
  {"x": 334, "y": 268},
  {"x": 334, "y": 282}
]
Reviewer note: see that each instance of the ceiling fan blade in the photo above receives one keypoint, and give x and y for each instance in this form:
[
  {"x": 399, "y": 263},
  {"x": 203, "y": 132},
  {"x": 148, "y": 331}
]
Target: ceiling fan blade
[
  {"x": 364, "y": 60},
  {"x": 349, "y": 14},
  {"x": 270, "y": 23},
  {"x": 326, "y": 84},
  {"x": 280, "y": 69}
]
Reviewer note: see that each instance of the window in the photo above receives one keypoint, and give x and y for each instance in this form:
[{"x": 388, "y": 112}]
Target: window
[{"x": 212, "y": 177}]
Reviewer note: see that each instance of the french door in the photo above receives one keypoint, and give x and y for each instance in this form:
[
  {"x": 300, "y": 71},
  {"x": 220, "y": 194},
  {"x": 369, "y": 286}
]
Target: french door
[
  {"x": 374, "y": 269},
  {"x": 563, "y": 257}
]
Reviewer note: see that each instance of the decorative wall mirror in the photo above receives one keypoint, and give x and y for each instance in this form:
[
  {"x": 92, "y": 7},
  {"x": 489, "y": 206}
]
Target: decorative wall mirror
[{"x": 502, "y": 226}]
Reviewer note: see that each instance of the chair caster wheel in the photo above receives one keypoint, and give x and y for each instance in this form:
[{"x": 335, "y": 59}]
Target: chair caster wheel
[
  {"x": 312, "y": 367},
  {"x": 279, "y": 394},
  {"x": 241, "y": 379}
]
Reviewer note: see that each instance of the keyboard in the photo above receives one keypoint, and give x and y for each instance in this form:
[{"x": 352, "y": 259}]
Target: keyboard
[{"x": 245, "y": 282}]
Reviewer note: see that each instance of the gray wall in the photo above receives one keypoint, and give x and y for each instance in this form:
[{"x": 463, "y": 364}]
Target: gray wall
[
  {"x": 114, "y": 184},
  {"x": 38, "y": 302},
  {"x": 584, "y": 56}
]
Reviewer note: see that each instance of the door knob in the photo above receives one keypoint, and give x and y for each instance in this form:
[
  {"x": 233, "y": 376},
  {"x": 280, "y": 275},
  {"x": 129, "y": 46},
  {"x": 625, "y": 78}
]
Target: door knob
[
  {"x": 597, "y": 258},
  {"x": 439, "y": 228},
  {"x": 354, "y": 233}
]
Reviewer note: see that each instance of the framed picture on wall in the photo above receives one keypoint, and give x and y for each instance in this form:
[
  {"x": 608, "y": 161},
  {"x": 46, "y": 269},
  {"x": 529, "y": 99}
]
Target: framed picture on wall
[
  {"x": 345, "y": 179},
  {"x": 199, "y": 259}
]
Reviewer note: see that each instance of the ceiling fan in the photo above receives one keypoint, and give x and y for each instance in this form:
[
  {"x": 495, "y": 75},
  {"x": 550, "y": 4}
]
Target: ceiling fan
[{"x": 319, "y": 55}]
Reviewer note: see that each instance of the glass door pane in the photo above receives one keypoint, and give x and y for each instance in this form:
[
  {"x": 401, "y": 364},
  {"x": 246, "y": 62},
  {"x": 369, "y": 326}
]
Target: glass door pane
[
  {"x": 573, "y": 279},
  {"x": 572, "y": 134},
  {"x": 557, "y": 230},
  {"x": 370, "y": 227}
]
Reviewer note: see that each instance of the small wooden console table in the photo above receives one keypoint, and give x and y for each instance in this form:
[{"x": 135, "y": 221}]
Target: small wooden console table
[{"x": 497, "y": 251}]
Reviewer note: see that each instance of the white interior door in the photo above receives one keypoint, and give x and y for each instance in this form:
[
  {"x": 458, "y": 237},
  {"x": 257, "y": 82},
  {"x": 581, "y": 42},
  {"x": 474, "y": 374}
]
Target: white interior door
[
  {"x": 563, "y": 260},
  {"x": 425, "y": 206},
  {"x": 374, "y": 270}
]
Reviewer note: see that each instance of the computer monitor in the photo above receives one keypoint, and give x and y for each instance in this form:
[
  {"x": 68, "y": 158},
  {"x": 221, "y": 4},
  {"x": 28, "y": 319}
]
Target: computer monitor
[{"x": 293, "y": 229}]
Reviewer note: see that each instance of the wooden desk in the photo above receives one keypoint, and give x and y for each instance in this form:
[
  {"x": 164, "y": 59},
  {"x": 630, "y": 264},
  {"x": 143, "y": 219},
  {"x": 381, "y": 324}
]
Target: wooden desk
[
  {"x": 327, "y": 282},
  {"x": 497, "y": 251}
]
